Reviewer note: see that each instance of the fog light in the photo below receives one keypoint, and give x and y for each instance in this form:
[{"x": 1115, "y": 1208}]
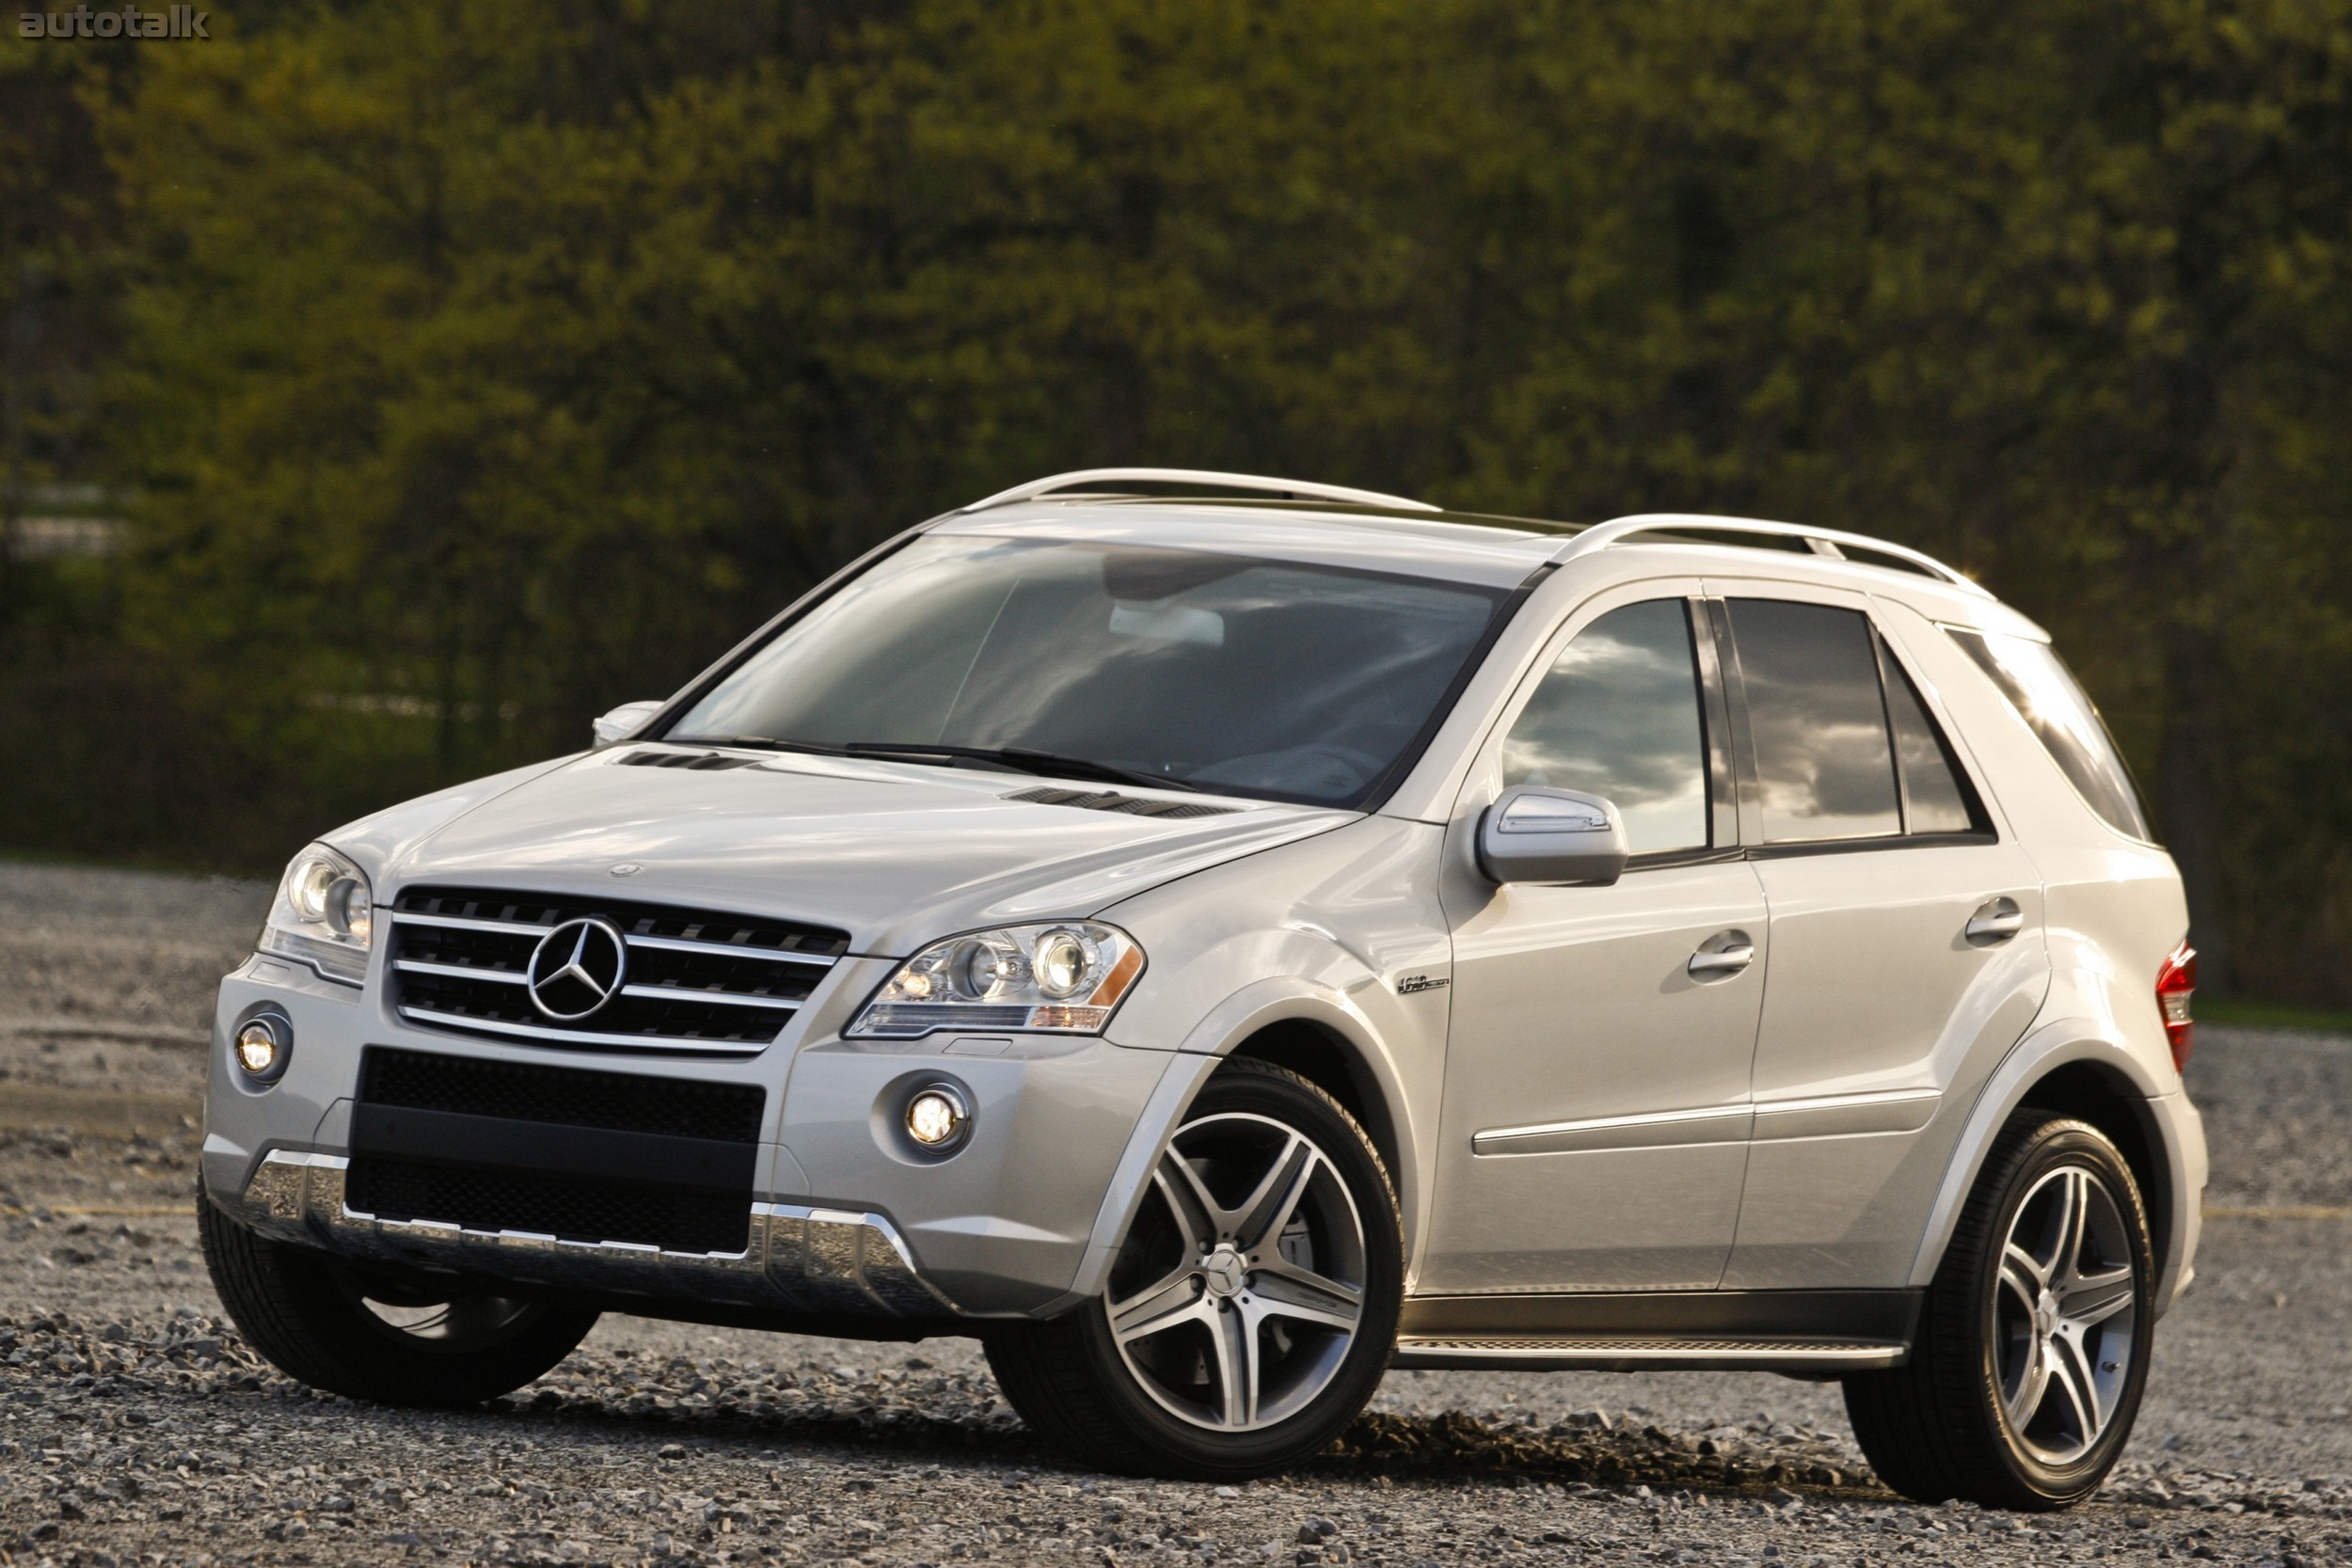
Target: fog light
[
  {"x": 262, "y": 1048},
  {"x": 937, "y": 1118}
]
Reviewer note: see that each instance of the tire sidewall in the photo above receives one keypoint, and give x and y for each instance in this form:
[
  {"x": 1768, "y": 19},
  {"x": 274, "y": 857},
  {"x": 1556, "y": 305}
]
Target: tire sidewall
[
  {"x": 2056, "y": 1145},
  {"x": 1200, "y": 1451}
]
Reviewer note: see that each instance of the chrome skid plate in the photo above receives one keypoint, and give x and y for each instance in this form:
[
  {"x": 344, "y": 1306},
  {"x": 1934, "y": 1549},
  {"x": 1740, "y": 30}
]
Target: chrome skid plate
[{"x": 798, "y": 1259}]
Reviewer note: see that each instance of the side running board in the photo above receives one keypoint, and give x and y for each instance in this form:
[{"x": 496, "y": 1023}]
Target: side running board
[{"x": 1614, "y": 1353}]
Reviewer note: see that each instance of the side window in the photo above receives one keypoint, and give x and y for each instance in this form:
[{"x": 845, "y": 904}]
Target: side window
[
  {"x": 1824, "y": 766},
  {"x": 1935, "y": 798},
  {"x": 1618, "y": 716},
  {"x": 2047, "y": 694}
]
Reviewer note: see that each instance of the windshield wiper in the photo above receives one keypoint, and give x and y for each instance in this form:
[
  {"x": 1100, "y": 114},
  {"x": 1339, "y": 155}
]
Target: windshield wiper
[
  {"x": 756, "y": 742},
  {"x": 1024, "y": 758}
]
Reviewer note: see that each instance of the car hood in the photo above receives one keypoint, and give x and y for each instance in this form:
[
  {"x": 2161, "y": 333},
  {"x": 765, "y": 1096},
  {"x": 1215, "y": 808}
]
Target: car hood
[{"x": 898, "y": 854}]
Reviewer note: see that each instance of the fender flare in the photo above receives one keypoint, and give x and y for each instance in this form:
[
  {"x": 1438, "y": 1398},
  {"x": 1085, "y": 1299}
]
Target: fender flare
[
  {"x": 1257, "y": 1005},
  {"x": 2063, "y": 1042}
]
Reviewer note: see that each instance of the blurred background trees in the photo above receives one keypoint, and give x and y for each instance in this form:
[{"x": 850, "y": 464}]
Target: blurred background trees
[{"x": 391, "y": 385}]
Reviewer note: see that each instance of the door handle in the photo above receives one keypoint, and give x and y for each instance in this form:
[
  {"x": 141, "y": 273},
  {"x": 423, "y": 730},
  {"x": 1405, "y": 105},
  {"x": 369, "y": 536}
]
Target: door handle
[
  {"x": 1996, "y": 920},
  {"x": 1727, "y": 954}
]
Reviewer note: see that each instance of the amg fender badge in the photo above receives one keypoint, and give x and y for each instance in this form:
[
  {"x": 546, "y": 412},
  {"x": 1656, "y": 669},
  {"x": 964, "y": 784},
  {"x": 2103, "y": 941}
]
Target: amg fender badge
[{"x": 1412, "y": 983}]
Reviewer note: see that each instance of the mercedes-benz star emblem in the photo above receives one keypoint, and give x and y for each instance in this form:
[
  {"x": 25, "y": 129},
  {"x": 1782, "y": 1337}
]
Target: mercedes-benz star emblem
[{"x": 577, "y": 968}]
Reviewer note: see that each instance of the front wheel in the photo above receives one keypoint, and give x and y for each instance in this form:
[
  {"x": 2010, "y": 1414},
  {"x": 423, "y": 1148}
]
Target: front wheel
[
  {"x": 390, "y": 1339},
  {"x": 2032, "y": 1348},
  {"x": 1252, "y": 1306}
]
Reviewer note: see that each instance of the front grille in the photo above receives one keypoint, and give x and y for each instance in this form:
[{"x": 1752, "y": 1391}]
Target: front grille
[
  {"x": 572, "y": 1211},
  {"x": 694, "y": 979},
  {"x": 575, "y": 1097}
]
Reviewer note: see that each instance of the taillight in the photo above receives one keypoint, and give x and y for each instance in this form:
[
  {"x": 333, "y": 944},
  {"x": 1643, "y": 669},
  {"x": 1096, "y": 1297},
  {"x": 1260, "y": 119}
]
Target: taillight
[{"x": 2176, "y": 982}]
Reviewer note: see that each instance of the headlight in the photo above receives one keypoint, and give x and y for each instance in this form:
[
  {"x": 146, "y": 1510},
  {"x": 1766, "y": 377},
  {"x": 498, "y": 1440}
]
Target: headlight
[
  {"x": 1064, "y": 978},
  {"x": 324, "y": 916}
]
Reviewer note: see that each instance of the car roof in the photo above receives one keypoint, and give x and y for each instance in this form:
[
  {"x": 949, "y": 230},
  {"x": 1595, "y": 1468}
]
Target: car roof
[
  {"x": 1437, "y": 545},
  {"x": 1338, "y": 526}
]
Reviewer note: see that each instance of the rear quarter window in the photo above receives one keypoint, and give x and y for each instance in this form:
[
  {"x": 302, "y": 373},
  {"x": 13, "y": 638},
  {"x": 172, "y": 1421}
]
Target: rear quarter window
[{"x": 2055, "y": 706}]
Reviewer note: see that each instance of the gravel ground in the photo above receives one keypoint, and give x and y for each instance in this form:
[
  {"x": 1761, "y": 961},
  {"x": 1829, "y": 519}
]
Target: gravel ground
[{"x": 136, "y": 1428}]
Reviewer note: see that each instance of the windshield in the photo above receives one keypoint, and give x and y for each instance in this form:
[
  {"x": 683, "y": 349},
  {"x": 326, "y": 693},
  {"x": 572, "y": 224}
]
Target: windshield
[{"x": 1223, "y": 672}]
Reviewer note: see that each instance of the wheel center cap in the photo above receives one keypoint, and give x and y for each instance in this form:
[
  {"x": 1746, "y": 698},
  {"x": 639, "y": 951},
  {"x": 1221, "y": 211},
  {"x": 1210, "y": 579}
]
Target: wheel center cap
[
  {"x": 2046, "y": 1315},
  {"x": 1224, "y": 1270}
]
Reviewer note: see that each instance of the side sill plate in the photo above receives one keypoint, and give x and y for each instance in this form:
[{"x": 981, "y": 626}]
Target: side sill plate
[{"x": 1625, "y": 1355}]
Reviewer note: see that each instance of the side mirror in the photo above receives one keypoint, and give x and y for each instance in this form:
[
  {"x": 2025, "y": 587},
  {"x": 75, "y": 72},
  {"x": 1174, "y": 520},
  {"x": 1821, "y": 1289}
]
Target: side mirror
[
  {"x": 626, "y": 721},
  {"x": 1535, "y": 834}
]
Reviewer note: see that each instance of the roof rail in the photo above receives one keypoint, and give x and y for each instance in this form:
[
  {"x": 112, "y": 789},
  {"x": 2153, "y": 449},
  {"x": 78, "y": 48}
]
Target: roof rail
[
  {"x": 1037, "y": 489},
  {"x": 1821, "y": 541}
]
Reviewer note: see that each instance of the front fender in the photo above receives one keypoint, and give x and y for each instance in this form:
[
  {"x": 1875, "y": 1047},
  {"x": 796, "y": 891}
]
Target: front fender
[
  {"x": 1240, "y": 1017},
  {"x": 2174, "y": 1135}
]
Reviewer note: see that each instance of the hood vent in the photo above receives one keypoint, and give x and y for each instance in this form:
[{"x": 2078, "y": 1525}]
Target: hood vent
[
  {"x": 701, "y": 762},
  {"x": 1110, "y": 800}
]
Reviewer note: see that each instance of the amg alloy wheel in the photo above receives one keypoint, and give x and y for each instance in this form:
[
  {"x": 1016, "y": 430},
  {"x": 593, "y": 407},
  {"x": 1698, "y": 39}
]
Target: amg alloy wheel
[
  {"x": 2032, "y": 1346},
  {"x": 1253, "y": 1303},
  {"x": 2063, "y": 1314},
  {"x": 392, "y": 1338}
]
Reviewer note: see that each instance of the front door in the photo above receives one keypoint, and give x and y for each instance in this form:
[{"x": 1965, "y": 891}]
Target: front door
[{"x": 1595, "y": 1113}]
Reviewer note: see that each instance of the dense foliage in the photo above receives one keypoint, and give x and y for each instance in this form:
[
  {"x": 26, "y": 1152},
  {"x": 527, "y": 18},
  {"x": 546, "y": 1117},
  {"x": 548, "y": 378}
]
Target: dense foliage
[{"x": 470, "y": 368}]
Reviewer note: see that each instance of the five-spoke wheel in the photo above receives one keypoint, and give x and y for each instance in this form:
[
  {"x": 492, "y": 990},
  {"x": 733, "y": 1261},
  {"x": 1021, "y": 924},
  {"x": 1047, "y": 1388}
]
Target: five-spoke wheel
[
  {"x": 2064, "y": 1310},
  {"x": 2025, "y": 1372},
  {"x": 1251, "y": 1307},
  {"x": 1237, "y": 1297}
]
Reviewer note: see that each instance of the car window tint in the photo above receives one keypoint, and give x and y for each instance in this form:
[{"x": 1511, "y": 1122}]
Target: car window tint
[
  {"x": 2056, "y": 708},
  {"x": 1934, "y": 801},
  {"x": 1618, "y": 716},
  {"x": 1825, "y": 768}
]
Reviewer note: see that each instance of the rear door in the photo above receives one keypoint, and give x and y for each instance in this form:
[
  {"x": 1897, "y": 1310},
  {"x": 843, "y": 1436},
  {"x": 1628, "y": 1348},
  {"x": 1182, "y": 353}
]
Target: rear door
[{"x": 1904, "y": 931}]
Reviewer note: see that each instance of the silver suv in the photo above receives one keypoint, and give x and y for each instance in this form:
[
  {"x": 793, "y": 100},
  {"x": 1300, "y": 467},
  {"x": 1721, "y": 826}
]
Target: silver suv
[{"x": 1216, "y": 946}]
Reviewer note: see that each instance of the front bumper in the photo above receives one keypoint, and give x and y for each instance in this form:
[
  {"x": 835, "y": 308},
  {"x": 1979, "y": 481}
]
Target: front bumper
[
  {"x": 841, "y": 1221},
  {"x": 800, "y": 1259}
]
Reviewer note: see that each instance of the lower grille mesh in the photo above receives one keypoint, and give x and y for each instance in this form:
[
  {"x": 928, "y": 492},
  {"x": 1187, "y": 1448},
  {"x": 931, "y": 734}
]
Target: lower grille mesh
[
  {"x": 577, "y": 1097},
  {"x": 573, "y": 1210}
]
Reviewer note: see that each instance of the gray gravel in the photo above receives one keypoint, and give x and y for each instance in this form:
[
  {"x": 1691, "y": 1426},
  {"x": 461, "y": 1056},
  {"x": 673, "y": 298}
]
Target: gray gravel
[{"x": 134, "y": 1427}]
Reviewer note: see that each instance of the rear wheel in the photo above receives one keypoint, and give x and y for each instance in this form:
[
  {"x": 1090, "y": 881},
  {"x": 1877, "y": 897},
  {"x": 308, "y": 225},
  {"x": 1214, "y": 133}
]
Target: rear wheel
[
  {"x": 2032, "y": 1349},
  {"x": 392, "y": 1338},
  {"x": 1253, "y": 1303}
]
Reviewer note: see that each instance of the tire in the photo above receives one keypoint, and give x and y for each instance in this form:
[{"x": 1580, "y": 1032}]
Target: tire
[
  {"x": 403, "y": 1339},
  {"x": 1299, "y": 1281},
  {"x": 2032, "y": 1349}
]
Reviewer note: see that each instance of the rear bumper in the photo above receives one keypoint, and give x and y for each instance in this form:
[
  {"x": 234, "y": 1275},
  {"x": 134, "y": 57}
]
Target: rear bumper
[{"x": 798, "y": 1259}]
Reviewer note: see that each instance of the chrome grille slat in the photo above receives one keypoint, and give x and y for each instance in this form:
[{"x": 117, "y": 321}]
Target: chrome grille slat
[
  {"x": 723, "y": 950},
  {"x": 724, "y": 998},
  {"x": 463, "y": 972},
  {"x": 573, "y": 1037},
  {"x": 469, "y": 923}
]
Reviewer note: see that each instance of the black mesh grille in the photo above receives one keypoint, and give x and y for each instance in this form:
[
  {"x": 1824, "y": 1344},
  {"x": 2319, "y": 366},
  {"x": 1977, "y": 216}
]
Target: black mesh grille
[
  {"x": 574, "y": 1210},
  {"x": 735, "y": 956},
  {"x": 574, "y": 1096}
]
